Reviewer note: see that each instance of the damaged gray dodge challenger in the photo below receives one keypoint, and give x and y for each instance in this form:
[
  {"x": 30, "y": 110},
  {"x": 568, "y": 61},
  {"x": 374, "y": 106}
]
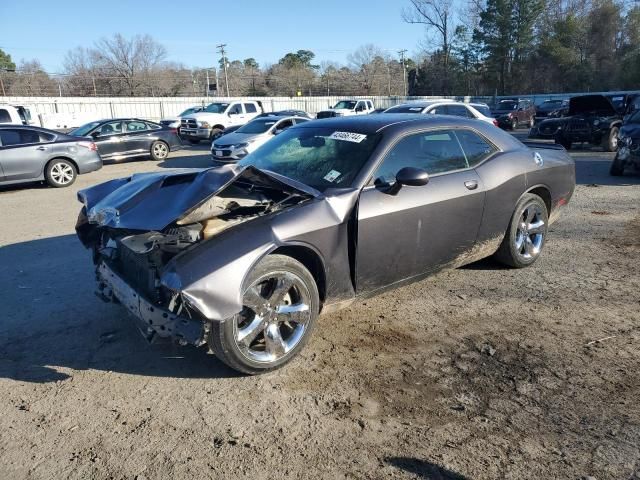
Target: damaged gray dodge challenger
[{"x": 244, "y": 257}]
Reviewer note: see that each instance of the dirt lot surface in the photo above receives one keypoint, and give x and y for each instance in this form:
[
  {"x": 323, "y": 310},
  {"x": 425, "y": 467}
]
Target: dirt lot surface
[{"x": 476, "y": 373}]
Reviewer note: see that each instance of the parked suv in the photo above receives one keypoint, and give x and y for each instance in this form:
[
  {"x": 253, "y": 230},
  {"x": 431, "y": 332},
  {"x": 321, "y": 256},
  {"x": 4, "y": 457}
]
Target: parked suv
[
  {"x": 591, "y": 118},
  {"x": 513, "y": 112},
  {"x": 345, "y": 108},
  {"x": 208, "y": 123}
]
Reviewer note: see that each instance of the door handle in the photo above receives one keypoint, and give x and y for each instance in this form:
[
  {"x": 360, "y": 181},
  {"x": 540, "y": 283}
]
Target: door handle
[
  {"x": 41, "y": 148},
  {"x": 471, "y": 184}
]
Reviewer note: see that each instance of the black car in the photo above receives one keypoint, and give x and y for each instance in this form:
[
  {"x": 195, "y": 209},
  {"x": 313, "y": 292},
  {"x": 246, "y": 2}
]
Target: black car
[
  {"x": 122, "y": 138},
  {"x": 591, "y": 119},
  {"x": 552, "y": 109},
  {"x": 286, "y": 113},
  {"x": 628, "y": 154}
]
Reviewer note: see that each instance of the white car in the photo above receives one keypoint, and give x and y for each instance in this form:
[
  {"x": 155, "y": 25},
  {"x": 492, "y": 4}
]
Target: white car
[
  {"x": 345, "y": 108},
  {"x": 443, "y": 107},
  {"x": 238, "y": 144},
  {"x": 15, "y": 114},
  {"x": 174, "y": 122},
  {"x": 215, "y": 117}
]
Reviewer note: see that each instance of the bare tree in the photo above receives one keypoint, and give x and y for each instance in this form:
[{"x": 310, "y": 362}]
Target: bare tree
[{"x": 438, "y": 16}]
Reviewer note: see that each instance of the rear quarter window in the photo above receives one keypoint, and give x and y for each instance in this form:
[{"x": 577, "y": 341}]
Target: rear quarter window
[
  {"x": 250, "y": 108},
  {"x": 475, "y": 147}
]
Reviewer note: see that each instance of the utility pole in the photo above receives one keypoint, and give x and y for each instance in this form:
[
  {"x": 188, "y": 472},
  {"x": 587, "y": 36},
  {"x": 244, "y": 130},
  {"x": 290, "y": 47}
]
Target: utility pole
[
  {"x": 404, "y": 70},
  {"x": 224, "y": 64},
  {"x": 207, "y": 87}
]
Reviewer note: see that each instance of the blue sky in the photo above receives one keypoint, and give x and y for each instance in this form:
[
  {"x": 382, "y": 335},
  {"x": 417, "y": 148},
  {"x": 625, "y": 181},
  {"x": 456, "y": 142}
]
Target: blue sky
[{"x": 265, "y": 30}]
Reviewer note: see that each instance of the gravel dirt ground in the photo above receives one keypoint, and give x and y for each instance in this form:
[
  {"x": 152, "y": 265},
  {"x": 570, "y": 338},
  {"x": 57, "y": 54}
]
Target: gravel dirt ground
[{"x": 477, "y": 373}]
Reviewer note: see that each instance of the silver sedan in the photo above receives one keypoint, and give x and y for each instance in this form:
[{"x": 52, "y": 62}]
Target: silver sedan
[{"x": 29, "y": 154}]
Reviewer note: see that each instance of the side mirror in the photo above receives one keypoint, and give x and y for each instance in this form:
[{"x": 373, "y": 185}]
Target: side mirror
[
  {"x": 276, "y": 132},
  {"x": 95, "y": 134},
  {"x": 411, "y": 177}
]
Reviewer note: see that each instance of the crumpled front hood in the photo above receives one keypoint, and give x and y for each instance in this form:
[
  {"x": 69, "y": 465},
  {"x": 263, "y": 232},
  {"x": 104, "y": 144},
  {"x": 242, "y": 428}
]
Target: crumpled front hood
[
  {"x": 591, "y": 104},
  {"x": 152, "y": 201}
]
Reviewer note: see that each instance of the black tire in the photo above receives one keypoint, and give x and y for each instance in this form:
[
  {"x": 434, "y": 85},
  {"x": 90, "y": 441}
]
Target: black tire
[
  {"x": 224, "y": 337},
  {"x": 610, "y": 142},
  {"x": 159, "y": 150},
  {"x": 215, "y": 133},
  {"x": 509, "y": 253},
  {"x": 60, "y": 173},
  {"x": 559, "y": 140},
  {"x": 617, "y": 167},
  {"x": 194, "y": 141}
]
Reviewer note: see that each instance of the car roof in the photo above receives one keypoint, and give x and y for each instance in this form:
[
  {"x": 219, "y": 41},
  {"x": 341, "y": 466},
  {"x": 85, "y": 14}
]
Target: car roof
[
  {"x": 370, "y": 124},
  {"x": 425, "y": 103}
]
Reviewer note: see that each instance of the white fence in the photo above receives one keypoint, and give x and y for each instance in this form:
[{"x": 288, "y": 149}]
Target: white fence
[{"x": 67, "y": 112}]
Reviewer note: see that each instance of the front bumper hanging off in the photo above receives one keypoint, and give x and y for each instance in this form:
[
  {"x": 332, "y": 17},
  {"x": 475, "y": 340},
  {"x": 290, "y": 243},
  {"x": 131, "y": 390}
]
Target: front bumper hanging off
[{"x": 152, "y": 320}]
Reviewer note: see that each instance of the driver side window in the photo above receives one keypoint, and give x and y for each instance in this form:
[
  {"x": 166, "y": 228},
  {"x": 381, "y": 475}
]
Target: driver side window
[
  {"x": 107, "y": 129},
  {"x": 435, "y": 151}
]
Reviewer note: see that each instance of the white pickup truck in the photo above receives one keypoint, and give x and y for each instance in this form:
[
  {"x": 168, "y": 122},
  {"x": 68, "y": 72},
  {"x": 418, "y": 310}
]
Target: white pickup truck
[
  {"x": 345, "y": 108},
  {"x": 16, "y": 114},
  {"x": 217, "y": 116}
]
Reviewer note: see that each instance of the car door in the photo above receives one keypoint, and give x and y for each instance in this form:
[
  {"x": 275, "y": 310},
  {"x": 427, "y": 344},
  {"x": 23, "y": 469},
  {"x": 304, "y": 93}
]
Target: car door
[
  {"x": 236, "y": 114},
  {"x": 419, "y": 229},
  {"x": 136, "y": 138},
  {"x": 108, "y": 138},
  {"x": 250, "y": 111},
  {"x": 23, "y": 153}
]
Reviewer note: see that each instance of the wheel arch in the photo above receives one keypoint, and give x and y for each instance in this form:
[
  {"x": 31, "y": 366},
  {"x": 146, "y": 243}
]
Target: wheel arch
[
  {"x": 312, "y": 261},
  {"x": 60, "y": 157},
  {"x": 544, "y": 193},
  {"x": 221, "y": 127}
]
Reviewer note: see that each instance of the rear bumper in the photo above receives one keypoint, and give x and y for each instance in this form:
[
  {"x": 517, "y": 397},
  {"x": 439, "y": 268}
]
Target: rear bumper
[
  {"x": 90, "y": 165},
  {"x": 152, "y": 320}
]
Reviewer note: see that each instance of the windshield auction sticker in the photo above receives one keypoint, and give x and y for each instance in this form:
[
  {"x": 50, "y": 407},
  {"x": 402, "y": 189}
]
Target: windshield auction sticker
[
  {"x": 348, "y": 136},
  {"x": 332, "y": 175}
]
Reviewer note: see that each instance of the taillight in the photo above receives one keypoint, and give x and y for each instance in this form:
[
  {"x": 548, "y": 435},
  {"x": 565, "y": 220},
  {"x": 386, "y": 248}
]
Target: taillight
[
  {"x": 89, "y": 145},
  {"x": 495, "y": 122},
  {"x": 174, "y": 130}
]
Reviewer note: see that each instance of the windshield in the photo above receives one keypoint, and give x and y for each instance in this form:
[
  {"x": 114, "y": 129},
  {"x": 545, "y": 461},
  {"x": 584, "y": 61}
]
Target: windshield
[
  {"x": 260, "y": 125},
  {"x": 507, "y": 105},
  {"x": 321, "y": 158},
  {"x": 348, "y": 104},
  {"x": 483, "y": 109},
  {"x": 405, "y": 109},
  {"x": 189, "y": 111},
  {"x": 216, "y": 107},
  {"x": 84, "y": 129}
]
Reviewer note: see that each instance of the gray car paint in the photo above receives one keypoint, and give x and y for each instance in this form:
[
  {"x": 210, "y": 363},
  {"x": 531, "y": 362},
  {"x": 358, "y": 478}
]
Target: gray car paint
[
  {"x": 364, "y": 239},
  {"x": 27, "y": 162}
]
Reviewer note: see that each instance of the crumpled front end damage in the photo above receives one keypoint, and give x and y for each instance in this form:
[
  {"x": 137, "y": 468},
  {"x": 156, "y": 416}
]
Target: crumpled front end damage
[{"x": 146, "y": 232}]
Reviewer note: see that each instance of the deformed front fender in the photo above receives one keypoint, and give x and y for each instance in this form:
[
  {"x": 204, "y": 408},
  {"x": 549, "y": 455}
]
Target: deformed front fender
[{"x": 210, "y": 277}]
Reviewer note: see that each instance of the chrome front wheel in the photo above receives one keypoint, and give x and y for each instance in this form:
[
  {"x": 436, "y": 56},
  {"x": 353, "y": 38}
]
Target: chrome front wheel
[
  {"x": 60, "y": 173},
  {"x": 280, "y": 304},
  {"x": 276, "y": 312}
]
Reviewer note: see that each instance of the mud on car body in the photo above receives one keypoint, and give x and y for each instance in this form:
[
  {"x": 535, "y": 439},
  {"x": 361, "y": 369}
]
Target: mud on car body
[{"x": 244, "y": 257}]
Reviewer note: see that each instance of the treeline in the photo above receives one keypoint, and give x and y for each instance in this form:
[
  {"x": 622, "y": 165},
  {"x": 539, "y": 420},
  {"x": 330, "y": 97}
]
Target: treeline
[
  {"x": 489, "y": 47},
  {"x": 527, "y": 46}
]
